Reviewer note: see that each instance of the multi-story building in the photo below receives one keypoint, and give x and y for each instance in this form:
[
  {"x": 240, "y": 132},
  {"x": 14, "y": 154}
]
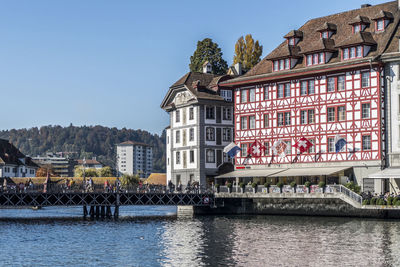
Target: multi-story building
[
  {"x": 335, "y": 77},
  {"x": 134, "y": 158},
  {"x": 13, "y": 163},
  {"x": 201, "y": 125},
  {"x": 61, "y": 166},
  {"x": 89, "y": 164}
]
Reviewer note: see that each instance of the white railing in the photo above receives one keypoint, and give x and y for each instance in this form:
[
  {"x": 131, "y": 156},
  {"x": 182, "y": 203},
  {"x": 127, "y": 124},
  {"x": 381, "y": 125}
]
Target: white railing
[{"x": 344, "y": 190}]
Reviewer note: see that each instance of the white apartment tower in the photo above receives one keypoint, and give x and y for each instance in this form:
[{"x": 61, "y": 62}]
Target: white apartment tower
[{"x": 134, "y": 158}]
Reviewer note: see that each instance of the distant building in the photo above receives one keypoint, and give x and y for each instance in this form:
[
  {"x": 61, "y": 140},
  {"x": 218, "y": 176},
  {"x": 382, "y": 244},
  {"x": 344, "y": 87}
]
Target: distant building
[
  {"x": 201, "y": 125},
  {"x": 134, "y": 158},
  {"x": 13, "y": 163},
  {"x": 61, "y": 166},
  {"x": 89, "y": 164}
]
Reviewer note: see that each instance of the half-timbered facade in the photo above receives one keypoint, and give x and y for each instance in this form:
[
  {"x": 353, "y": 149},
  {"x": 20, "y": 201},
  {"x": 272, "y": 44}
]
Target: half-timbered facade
[{"x": 327, "y": 79}]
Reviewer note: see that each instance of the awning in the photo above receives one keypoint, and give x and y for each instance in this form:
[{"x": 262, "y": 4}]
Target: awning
[
  {"x": 276, "y": 172},
  {"x": 310, "y": 171},
  {"x": 250, "y": 173},
  {"x": 386, "y": 173}
]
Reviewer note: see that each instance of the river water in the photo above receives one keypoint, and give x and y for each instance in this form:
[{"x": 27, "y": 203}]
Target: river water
[{"x": 154, "y": 236}]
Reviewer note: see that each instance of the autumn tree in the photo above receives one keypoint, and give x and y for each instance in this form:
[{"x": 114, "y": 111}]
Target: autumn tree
[
  {"x": 44, "y": 169},
  {"x": 128, "y": 179},
  {"x": 80, "y": 172},
  {"x": 247, "y": 52},
  {"x": 209, "y": 51},
  {"x": 105, "y": 172}
]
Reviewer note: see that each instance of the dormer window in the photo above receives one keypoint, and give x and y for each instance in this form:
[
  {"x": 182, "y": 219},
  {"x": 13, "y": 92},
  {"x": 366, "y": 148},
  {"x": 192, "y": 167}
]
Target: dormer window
[
  {"x": 357, "y": 28},
  {"x": 283, "y": 64},
  {"x": 316, "y": 59},
  {"x": 325, "y": 34},
  {"x": 382, "y": 20},
  {"x": 380, "y": 24},
  {"x": 353, "y": 52},
  {"x": 292, "y": 41}
]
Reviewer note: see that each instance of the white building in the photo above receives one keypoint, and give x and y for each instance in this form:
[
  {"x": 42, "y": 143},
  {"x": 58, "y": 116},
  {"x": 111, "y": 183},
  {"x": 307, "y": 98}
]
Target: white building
[
  {"x": 201, "y": 125},
  {"x": 134, "y": 158},
  {"x": 13, "y": 163}
]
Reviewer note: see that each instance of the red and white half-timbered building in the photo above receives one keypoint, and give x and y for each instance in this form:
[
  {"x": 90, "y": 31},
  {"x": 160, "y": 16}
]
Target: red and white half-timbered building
[{"x": 324, "y": 81}]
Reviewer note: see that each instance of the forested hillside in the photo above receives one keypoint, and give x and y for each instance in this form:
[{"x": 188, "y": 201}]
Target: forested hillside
[{"x": 93, "y": 141}]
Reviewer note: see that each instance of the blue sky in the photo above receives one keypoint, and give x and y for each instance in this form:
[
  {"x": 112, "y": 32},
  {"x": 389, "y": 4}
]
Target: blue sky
[{"x": 110, "y": 63}]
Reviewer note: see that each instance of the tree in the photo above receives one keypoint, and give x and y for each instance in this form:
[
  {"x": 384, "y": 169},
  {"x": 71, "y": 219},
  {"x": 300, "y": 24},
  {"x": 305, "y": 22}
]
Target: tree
[
  {"x": 209, "y": 51},
  {"x": 128, "y": 179},
  {"x": 247, "y": 52},
  {"x": 43, "y": 170},
  {"x": 105, "y": 172},
  {"x": 79, "y": 172}
]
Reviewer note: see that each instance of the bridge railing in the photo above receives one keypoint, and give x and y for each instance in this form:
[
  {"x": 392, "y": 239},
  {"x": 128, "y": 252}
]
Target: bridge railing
[{"x": 97, "y": 188}]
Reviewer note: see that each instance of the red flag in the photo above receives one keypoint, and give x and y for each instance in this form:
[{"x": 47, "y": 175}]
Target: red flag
[
  {"x": 256, "y": 149},
  {"x": 303, "y": 145}
]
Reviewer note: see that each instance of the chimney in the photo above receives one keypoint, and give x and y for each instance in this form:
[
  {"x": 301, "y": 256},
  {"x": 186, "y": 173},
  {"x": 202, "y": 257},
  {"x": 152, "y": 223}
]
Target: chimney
[
  {"x": 207, "y": 67},
  {"x": 365, "y": 5},
  {"x": 238, "y": 67}
]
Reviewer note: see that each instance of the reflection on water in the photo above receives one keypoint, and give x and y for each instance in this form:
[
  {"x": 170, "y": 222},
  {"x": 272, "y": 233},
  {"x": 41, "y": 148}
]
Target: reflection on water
[{"x": 150, "y": 236}]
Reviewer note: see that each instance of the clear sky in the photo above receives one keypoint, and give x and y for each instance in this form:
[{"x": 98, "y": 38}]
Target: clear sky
[{"x": 94, "y": 62}]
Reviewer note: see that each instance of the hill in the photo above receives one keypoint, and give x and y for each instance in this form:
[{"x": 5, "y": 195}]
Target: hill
[{"x": 85, "y": 141}]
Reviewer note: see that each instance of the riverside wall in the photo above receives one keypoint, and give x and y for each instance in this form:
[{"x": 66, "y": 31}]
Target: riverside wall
[{"x": 304, "y": 206}]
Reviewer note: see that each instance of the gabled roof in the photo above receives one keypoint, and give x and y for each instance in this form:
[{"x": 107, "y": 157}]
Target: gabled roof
[
  {"x": 383, "y": 15},
  {"x": 327, "y": 27},
  {"x": 359, "y": 19},
  {"x": 320, "y": 45},
  {"x": 358, "y": 38},
  {"x": 383, "y": 40},
  {"x": 11, "y": 155},
  {"x": 294, "y": 33},
  {"x": 285, "y": 51}
]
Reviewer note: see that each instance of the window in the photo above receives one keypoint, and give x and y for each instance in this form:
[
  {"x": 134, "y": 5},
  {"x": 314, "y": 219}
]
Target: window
[
  {"x": 289, "y": 147},
  {"x": 243, "y": 123},
  {"x": 321, "y": 58},
  {"x": 303, "y": 88},
  {"x": 243, "y": 151},
  {"x": 252, "y": 122},
  {"x": 280, "y": 90},
  {"x": 191, "y": 156},
  {"x": 312, "y": 148},
  {"x": 341, "y": 83},
  {"x": 210, "y": 134},
  {"x": 380, "y": 25},
  {"x": 287, "y": 89},
  {"x": 345, "y": 53},
  {"x": 178, "y": 136},
  {"x": 331, "y": 144},
  {"x": 357, "y": 28},
  {"x": 227, "y": 95},
  {"x": 291, "y": 41},
  {"x": 331, "y": 114},
  {"x": 280, "y": 119},
  {"x": 365, "y": 109},
  {"x": 281, "y": 64},
  {"x": 252, "y": 95},
  {"x": 364, "y": 79},
  {"x": 311, "y": 88},
  {"x": 311, "y": 116},
  {"x": 191, "y": 134},
  {"x": 266, "y": 120},
  {"x": 243, "y": 96},
  {"x": 309, "y": 60},
  {"x": 226, "y": 113},
  {"x": 325, "y": 34},
  {"x": 359, "y": 51},
  {"x": 287, "y": 64},
  {"x": 276, "y": 65},
  {"x": 341, "y": 113},
  {"x": 266, "y": 151},
  {"x": 210, "y": 114},
  {"x": 210, "y": 156},
  {"x": 177, "y": 116},
  {"x": 352, "y": 52},
  {"x": 266, "y": 92},
  {"x": 315, "y": 59},
  {"x": 287, "y": 118},
  {"x": 191, "y": 113},
  {"x": 226, "y": 134},
  {"x": 366, "y": 142},
  {"x": 303, "y": 117},
  {"x": 178, "y": 157},
  {"x": 331, "y": 84}
]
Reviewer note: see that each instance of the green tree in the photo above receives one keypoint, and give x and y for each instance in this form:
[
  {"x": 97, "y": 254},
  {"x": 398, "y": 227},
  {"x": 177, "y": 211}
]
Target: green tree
[
  {"x": 247, "y": 52},
  {"x": 209, "y": 51},
  {"x": 79, "y": 172},
  {"x": 128, "y": 179},
  {"x": 105, "y": 172}
]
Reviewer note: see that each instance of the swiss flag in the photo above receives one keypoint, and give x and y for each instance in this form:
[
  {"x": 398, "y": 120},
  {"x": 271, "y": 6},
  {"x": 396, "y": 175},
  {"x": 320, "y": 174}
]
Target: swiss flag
[
  {"x": 303, "y": 145},
  {"x": 256, "y": 149}
]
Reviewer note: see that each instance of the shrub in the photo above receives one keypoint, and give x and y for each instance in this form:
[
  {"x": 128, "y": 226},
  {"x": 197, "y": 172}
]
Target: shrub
[
  {"x": 254, "y": 185},
  {"x": 267, "y": 184},
  {"x": 128, "y": 179},
  {"x": 217, "y": 186},
  {"x": 293, "y": 184},
  {"x": 307, "y": 184},
  {"x": 365, "y": 202},
  {"x": 394, "y": 200},
  {"x": 321, "y": 184},
  {"x": 373, "y": 201},
  {"x": 279, "y": 184},
  {"x": 241, "y": 185},
  {"x": 229, "y": 185},
  {"x": 397, "y": 203},
  {"x": 390, "y": 201},
  {"x": 381, "y": 202}
]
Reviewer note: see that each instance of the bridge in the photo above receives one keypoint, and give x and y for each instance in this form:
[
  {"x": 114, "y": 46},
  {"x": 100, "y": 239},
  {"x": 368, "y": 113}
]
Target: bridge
[{"x": 100, "y": 200}]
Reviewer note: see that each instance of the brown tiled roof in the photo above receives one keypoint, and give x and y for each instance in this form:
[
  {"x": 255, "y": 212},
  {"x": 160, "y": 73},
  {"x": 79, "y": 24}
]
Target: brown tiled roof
[
  {"x": 320, "y": 45},
  {"x": 9, "y": 154},
  {"x": 358, "y": 38},
  {"x": 383, "y": 15},
  {"x": 359, "y": 19},
  {"x": 157, "y": 179},
  {"x": 133, "y": 143},
  {"x": 294, "y": 33},
  {"x": 328, "y": 26},
  {"x": 285, "y": 51},
  {"x": 344, "y": 30}
]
